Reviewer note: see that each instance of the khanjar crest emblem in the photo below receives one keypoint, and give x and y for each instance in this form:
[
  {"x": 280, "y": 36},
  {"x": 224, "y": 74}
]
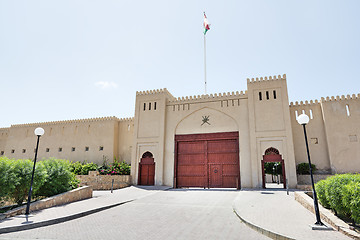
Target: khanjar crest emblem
[{"x": 205, "y": 119}]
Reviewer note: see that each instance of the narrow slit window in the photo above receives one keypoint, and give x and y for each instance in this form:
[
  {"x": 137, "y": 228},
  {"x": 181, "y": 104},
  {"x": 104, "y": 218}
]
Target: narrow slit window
[
  {"x": 303, "y": 111},
  {"x": 260, "y": 96},
  {"x": 60, "y": 149},
  {"x": 311, "y": 115},
  {"x": 267, "y": 95},
  {"x": 154, "y": 105},
  {"x": 86, "y": 149},
  {"x": 149, "y": 106},
  {"x": 296, "y": 114},
  {"x": 347, "y": 110},
  {"x": 274, "y": 93},
  {"x": 144, "y": 106}
]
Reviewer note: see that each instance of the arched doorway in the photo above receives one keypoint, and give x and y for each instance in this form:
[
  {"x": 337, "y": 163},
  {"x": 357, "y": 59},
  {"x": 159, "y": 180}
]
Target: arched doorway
[
  {"x": 146, "y": 174},
  {"x": 272, "y": 155}
]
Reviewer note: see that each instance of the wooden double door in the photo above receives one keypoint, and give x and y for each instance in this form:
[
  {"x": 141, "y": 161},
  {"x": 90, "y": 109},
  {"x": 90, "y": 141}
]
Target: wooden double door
[{"x": 207, "y": 160}]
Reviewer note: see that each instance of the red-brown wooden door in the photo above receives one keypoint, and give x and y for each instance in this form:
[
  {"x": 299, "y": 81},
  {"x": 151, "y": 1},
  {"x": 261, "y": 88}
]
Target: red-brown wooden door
[
  {"x": 207, "y": 160},
  {"x": 146, "y": 171}
]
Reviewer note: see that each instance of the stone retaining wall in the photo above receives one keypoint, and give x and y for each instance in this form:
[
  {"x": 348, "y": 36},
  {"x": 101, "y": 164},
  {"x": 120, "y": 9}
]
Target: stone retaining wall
[
  {"x": 103, "y": 182},
  {"x": 60, "y": 199},
  {"x": 306, "y": 180}
]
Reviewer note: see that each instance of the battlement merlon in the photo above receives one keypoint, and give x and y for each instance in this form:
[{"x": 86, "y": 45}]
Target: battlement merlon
[
  {"x": 155, "y": 91},
  {"x": 327, "y": 99},
  {"x": 270, "y": 78},
  {"x": 216, "y": 96},
  {"x": 113, "y": 118}
]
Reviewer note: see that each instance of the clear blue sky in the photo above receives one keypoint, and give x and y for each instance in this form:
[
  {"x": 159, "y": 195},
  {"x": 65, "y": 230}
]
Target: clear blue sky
[{"x": 69, "y": 59}]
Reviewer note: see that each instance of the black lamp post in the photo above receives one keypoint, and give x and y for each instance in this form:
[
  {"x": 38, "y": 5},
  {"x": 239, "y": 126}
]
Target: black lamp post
[
  {"x": 303, "y": 119},
  {"x": 38, "y": 132}
]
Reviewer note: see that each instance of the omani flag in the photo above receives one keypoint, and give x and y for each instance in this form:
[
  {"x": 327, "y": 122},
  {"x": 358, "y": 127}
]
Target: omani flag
[{"x": 206, "y": 24}]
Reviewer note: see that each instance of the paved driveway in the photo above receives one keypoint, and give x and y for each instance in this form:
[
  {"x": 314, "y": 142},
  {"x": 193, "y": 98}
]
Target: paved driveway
[{"x": 173, "y": 214}]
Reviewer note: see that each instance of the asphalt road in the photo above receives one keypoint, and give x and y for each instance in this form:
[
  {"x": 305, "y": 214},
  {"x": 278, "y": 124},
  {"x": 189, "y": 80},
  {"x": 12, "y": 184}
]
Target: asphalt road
[{"x": 174, "y": 214}]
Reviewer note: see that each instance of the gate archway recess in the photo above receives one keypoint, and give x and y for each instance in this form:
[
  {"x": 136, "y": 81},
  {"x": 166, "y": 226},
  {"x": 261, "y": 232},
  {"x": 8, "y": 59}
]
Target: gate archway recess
[
  {"x": 146, "y": 173},
  {"x": 208, "y": 160},
  {"x": 272, "y": 155}
]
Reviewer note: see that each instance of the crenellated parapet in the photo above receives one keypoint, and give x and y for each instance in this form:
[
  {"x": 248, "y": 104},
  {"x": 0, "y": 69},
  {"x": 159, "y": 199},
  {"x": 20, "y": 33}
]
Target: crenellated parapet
[
  {"x": 155, "y": 91},
  {"x": 207, "y": 97},
  {"x": 306, "y": 103},
  {"x": 263, "y": 79},
  {"x": 340, "y": 98},
  {"x": 130, "y": 119},
  {"x": 65, "y": 122},
  {"x": 4, "y": 129},
  {"x": 326, "y": 99}
]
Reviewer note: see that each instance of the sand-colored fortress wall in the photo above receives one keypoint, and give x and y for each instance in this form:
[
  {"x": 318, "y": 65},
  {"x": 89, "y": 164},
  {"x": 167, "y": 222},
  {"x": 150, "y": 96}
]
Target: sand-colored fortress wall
[
  {"x": 342, "y": 127},
  {"x": 333, "y": 133},
  {"x": 90, "y": 140},
  {"x": 4, "y": 133},
  {"x": 270, "y": 124},
  {"x": 125, "y": 139},
  {"x": 316, "y": 135}
]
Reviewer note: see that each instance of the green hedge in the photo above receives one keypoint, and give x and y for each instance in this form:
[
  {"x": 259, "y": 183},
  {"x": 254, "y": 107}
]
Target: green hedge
[
  {"x": 82, "y": 168},
  {"x": 115, "y": 168},
  {"x": 341, "y": 193},
  {"x": 52, "y": 176}
]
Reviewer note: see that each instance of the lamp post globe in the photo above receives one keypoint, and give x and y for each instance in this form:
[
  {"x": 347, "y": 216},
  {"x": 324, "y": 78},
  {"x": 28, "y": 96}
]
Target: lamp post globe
[
  {"x": 303, "y": 119},
  {"x": 39, "y": 131}
]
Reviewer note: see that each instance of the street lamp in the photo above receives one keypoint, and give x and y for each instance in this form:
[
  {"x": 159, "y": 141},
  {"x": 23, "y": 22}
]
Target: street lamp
[
  {"x": 303, "y": 119},
  {"x": 38, "y": 132}
]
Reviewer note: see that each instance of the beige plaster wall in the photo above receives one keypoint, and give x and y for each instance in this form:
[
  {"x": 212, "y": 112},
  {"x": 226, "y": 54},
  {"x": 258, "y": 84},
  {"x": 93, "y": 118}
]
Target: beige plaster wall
[
  {"x": 4, "y": 132},
  {"x": 343, "y": 132},
  {"x": 315, "y": 132},
  {"x": 149, "y": 130},
  {"x": 270, "y": 125},
  {"x": 125, "y": 139},
  {"x": 92, "y": 133}
]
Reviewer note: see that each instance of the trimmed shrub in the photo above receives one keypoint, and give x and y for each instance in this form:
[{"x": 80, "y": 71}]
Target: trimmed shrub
[
  {"x": 320, "y": 188},
  {"x": 334, "y": 191},
  {"x": 88, "y": 167},
  {"x": 59, "y": 177},
  {"x": 351, "y": 200},
  {"x": 76, "y": 168},
  {"x": 341, "y": 193},
  {"x": 303, "y": 168}
]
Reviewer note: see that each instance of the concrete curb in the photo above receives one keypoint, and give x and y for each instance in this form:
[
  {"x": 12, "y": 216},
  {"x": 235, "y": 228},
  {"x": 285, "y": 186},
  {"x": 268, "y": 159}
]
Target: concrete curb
[
  {"x": 326, "y": 215},
  {"x": 59, "y": 220},
  {"x": 268, "y": 233}
]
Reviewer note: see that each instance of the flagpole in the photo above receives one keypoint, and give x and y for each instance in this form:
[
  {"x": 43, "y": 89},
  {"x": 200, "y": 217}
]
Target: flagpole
[{"x": 205, "y": 60}]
